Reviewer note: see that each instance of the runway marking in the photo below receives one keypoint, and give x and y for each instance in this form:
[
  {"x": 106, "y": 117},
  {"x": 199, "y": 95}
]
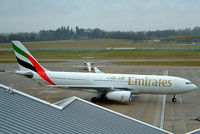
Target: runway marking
[
  {"x": 184, "y": 122},
  {"x": 158, "y": 111},
  {"x": 162, "y": 120}
]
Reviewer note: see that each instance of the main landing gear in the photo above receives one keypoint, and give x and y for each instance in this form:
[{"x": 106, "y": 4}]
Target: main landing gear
[
  {"x": 174, "y": 98},
  {"x": 94, "y": 99},
  {"x": 100, "y": 98}
]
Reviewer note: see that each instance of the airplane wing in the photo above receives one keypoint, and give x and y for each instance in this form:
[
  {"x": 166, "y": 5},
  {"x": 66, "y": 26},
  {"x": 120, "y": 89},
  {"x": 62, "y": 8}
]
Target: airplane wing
[{"x": 96, "y": 70}]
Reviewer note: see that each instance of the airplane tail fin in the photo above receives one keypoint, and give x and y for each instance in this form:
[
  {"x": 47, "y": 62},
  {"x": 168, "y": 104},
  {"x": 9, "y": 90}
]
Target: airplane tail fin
[
  {"x": 25, "y": 60},
  {"x": 27, "y": 63}
]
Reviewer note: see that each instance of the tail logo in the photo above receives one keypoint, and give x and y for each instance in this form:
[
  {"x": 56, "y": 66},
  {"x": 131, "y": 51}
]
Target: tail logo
[{"x": 36, "y": 67}]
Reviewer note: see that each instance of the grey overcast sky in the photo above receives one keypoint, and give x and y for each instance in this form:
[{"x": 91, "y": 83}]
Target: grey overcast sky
[{"x": 110, "y": 15}]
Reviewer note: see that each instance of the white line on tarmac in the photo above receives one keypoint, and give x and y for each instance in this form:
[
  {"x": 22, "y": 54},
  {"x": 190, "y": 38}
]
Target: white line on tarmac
[
  {"x": 181, "y": 102},
  {"x": 162, "y": 121},
  {"x": 158, "y": 111}
]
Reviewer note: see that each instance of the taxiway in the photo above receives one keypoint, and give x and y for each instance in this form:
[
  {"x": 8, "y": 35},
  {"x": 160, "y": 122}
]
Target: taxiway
[{"x": 178, "y": 117}]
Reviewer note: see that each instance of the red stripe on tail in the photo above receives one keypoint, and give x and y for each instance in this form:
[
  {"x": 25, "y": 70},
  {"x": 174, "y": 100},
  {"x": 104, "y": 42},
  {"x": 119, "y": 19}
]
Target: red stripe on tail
[{"x": 40, "y": 70}]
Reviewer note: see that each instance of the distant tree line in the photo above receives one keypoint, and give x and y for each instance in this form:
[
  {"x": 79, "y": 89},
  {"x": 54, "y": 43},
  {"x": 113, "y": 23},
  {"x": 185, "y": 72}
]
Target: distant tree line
[{"x": 66, "y": 33}]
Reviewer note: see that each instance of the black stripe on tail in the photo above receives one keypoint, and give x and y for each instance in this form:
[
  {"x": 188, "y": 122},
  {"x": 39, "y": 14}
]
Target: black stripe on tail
[{"x": 26, "y": 65}]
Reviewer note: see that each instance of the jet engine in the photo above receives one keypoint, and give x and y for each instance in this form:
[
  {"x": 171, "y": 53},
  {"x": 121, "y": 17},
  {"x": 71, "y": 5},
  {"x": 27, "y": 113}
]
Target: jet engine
[{"x": 121, "y": 96}]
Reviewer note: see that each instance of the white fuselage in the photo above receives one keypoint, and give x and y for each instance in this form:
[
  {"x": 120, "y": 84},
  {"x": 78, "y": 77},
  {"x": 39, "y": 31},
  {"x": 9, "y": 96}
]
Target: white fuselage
[{"x": 141, "y": 84}]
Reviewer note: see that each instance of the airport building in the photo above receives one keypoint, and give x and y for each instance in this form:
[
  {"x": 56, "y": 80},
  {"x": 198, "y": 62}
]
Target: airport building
[
  {"x": 22, "y": 113},
  {"x": 197, "y": 131}
]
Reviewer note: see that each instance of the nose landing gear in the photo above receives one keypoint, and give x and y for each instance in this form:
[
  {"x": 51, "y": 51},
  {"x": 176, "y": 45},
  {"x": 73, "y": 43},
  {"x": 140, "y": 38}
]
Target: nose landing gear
[{"x": 174, "y": 98}]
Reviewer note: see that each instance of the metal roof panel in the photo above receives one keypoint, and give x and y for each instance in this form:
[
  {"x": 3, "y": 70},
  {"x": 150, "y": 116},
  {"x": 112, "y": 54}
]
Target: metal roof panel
[{"x": 22, "y": 113}]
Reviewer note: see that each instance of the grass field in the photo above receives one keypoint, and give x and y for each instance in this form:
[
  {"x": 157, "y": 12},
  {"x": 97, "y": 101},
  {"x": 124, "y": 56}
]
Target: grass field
[
  {"x": 109, "y": 54},
  {"x": 97, "y": 43},
  {"x": 106, "y": 54}
]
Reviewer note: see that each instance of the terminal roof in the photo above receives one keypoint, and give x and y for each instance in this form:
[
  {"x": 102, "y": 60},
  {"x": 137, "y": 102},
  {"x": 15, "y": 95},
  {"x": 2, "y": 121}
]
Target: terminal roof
[{"x": 22, "y": 113}]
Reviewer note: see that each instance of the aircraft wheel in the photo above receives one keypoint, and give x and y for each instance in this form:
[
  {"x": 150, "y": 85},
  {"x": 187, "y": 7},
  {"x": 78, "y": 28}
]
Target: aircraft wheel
[
  {"x": 102, "y": 98},
  {"x": 173, "y": 99},
  {"x": 94, "y": 99}
]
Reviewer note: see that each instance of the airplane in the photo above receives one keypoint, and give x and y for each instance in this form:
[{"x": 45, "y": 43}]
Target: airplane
[
  {"x": 115, "y": 87},
  {"x": 87, "y": 66}
]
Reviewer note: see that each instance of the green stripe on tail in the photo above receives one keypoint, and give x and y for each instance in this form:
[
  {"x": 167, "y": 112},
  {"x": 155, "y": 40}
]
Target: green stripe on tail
[{"x": 18, "y": 50}]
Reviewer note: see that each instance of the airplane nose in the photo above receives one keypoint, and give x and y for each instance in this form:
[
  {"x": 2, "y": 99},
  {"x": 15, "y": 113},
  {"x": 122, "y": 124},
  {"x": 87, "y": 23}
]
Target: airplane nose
[{"x": 194, "y": 86}]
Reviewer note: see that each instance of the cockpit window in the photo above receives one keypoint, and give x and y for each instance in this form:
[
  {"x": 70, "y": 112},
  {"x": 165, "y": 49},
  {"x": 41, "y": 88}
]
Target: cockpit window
[{"x": 187, "y": 83}]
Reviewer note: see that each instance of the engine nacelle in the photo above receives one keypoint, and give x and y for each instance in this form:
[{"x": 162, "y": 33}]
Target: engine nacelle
[{"x": 121, "y": 96}]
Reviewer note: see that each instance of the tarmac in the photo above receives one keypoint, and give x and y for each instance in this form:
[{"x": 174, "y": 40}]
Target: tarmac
[{"x": 178, "y": 117}]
